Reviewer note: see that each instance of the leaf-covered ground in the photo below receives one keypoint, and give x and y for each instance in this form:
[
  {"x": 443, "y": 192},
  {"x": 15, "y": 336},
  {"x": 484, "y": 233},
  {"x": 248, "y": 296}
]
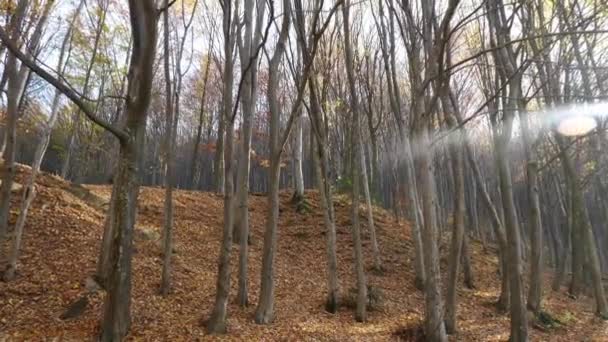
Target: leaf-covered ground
[{"x": 62, "y": 242}]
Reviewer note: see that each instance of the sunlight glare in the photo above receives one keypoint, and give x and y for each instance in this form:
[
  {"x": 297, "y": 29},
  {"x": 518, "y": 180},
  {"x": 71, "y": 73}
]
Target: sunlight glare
[{"x": 576, "y": 125}]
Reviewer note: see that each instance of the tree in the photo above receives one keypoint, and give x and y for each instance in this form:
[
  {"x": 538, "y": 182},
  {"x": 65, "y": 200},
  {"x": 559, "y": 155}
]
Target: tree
[
  {"x": 390, "y": 67},
  {"x": 217, "y": 320},
  {"x": 458, "y": 234},
  {"x": 250, "y": 42},
  {"x": 30, "y": 189},
  {"x": 16, "y": 79},
  {"x": 72, "y": 148},
  {"x": 264, "y": 313},
  {"x": 165, "y": 282},
  {"x": 361, "y": 312},
  {"x": 199, "y": 129},
  {"x": 117, "y": 318},
  {"x": 308, "y": 42}
]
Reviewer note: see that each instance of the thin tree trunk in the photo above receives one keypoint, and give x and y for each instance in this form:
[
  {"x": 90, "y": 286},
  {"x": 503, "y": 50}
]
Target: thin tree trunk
[
  {"x": 370, "y": 211},
  {"x": 30, "y": 190},
  {"x": 199, "y": 129},
  {"x": 103, "y": 262},
  {"x": 117, "y": 313},
  {"x": 252, "y": 37},
  {"x": 519, "y": 331},
  {"x": 85, "y": 91},
  {"x": 583, "y": 224},
  {"x": 414, "y": 213},
  {"x": 469, "y": 280},
  {"x": 165, "y": 280},
  {"x": 394, "y": 99},
  {"x": 536, "y": 229},
  {"x": 434, "y": 322},
  {"x": 457, "y": 152},
  {"x": 264, "y": 313},
  {"x": 325, "y": 194},
  {"x": 117, "y": 306},
  {"x": 219, "y": 170},
  {"x": 217, "y": 319},
  {"x": 565, "y": 252},
  {"x": 504, "y": 297},
  {"x": 16, "y": 77},
  {"x": 361, "y": 311},
  {"x": 297, "y": 155},
  {"x": 116, "y": 318}
]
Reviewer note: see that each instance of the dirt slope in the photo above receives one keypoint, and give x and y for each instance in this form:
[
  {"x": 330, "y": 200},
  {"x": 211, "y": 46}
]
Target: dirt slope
[{"x": 62, "y": 240}]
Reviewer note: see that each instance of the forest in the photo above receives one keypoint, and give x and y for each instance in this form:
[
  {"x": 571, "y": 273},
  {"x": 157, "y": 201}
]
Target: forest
[{"x": 327, "y": 170}]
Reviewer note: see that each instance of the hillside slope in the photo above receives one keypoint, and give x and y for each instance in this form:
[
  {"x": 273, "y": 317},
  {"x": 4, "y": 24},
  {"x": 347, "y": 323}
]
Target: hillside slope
[{"x": 62, "y": 240}]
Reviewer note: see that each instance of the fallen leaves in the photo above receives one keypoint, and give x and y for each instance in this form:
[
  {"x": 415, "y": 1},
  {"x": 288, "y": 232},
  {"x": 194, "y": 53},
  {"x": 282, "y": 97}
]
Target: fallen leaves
[{"x": 62, "y": 238}]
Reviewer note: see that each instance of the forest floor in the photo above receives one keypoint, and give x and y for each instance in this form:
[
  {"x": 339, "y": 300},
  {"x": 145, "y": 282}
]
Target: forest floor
[{"x": 62, "y": 239}]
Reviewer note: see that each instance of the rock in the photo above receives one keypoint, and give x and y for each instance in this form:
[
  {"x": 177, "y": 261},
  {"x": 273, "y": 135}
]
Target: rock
[
  {"x": 87, "y": 196},
  {"x": 146, "y": 234},
  {"x": 159, "y": 244},
  {"x": 15, "y": 187},
  {"x": 75, "y": 309},
  {"x": 375, "y": 298},
  {"x": 91, "y": 285}
]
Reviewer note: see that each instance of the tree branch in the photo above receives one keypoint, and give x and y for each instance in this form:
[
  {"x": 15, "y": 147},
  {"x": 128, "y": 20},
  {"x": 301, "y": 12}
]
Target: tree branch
[
  {"x": 164, "y": 8},
  {"x": 253, "y": 59},
  {"x": 69, "y": 93}
]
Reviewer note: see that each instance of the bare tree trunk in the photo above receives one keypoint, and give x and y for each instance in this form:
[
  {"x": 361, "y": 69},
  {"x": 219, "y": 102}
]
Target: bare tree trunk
[
  {"x": 199, "y": 129},
  {"x": 264, "y": 313},
  {"x": 65, "y": 169},
  {"x": 249, "y": 62},
  {"x": 165, "y": 280},
  {"x": 117, "y": 316},
  {"x": 536, "y": 229},
  {"x": 298, "y": 146},
  {"x": 318, "y": 145},
  {"x": 519, "y": 331},
  {"x": 218, "y": 163},
  {"x": 30, "y": 190},
  {"x": 361, "y": 311},
  {"x": 587, "y": 239},
  {"x": 388, "y": 55},
  {"x": 217, "y": 319},
  {"x": 504, "y": 297},
  {"x": 16, "y": 77},
  {"x": 172, "y": 120},
  {"x": 370, "y": 211},
  {"x": 435, "y": 327},
  {"x": 325, "y": 194},
  {"x": 297, "y": 155},
  {"x": 565, "y": 234},
  {"x": 415, "y": 215},
  {"x": 473, "y": 211},
  {"x": 103, "y": 262},
  {"x": 8, "y": 167},
  {"x": 469, "y": 281},
  {"x": 457, "y": 152},
  {"x": 241, "y": 225}
]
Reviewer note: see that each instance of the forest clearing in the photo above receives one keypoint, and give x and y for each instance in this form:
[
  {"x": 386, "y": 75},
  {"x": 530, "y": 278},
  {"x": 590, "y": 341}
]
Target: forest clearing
[{"x": 60, "y": 254}]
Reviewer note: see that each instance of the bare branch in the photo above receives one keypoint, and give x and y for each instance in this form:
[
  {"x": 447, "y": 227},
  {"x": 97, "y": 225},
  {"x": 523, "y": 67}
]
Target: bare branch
[
  {"x": 69, "y": 93},
  {"x": 164, "y": 8}
]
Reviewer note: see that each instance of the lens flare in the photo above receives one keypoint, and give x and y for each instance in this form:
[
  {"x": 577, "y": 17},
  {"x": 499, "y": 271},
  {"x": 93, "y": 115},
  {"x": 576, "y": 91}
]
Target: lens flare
[{"x": 576, "y": 125}]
